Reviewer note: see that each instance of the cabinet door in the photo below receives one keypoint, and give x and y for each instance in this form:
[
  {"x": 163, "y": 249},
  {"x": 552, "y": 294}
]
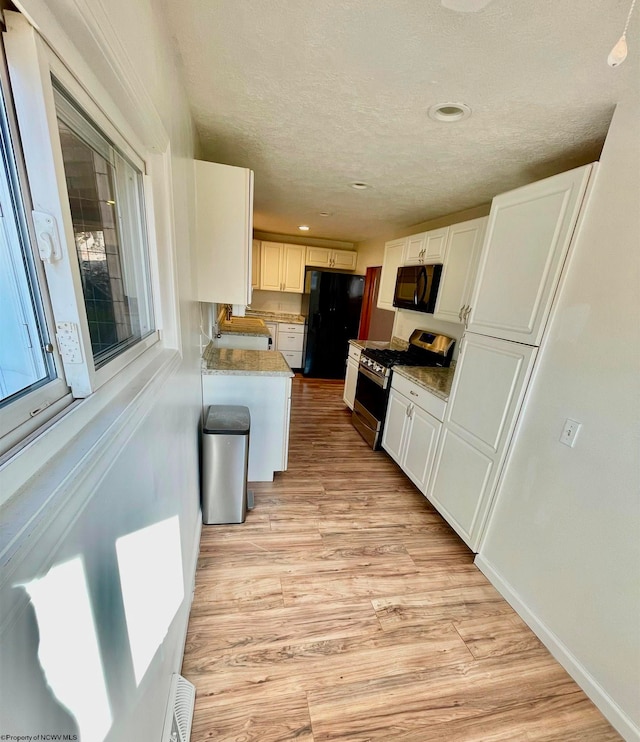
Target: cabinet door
[
  {"x": 255, "y": 264},
  {"x": 415, "y": 251},
  {"x": 319, "y": 257},
  {"x": 224, "y": 218},
  {"x": 345, "y": 259},
  {"x": 435, "y": 244},
  {"x": 293, "y": 265},
  {"x": 350, "y": 381},
  {"x": 271, "y": 266},
  {"x": 395, "y": 422},
  {"x": 528, "y": 237},
  {"x": 393, "y": 257},
  {"x": 488, "y": 388},
  {"x": 420, "y": 443},
  {"x": 460, "y": 265}
]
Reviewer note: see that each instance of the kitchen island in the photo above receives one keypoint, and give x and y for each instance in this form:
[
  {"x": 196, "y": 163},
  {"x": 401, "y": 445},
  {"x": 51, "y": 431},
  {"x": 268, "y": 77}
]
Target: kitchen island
[{"x": 261, "y": 381}]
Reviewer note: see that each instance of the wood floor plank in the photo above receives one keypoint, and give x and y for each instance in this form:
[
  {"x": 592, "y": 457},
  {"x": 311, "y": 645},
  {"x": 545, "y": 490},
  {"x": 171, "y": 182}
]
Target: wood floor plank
[
  {"x": 252, "y": 720},
  {"x": 345, "y": 608},
  {"x": 386, "y": 707},
  {"x": 501, "y": 634},
  {"x": 293, "y": 666}
]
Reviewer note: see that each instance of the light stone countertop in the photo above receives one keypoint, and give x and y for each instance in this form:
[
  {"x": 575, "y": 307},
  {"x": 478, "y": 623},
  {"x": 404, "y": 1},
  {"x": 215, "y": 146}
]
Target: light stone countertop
[
  {"x": 244, "y": 362},
  {"x": 294, "y": 319},
  {"x": 435, "y": 380},
  {"x": 395, "y": 344}
]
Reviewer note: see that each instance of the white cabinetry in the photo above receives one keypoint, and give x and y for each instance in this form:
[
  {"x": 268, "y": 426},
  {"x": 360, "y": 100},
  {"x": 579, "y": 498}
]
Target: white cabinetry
[
  {"x": 282, "y": 267},
  {"x": 393, "y": 259},
  {"x": 291, "y": 343},
  {"x": 464, "y": 243},
  {"x": 224, "y": 226},
  {"x": 426, "y": 247},
  {"x": 269, "y": 401},
  {"x": 487, "y": 392},
  {"x": 528, "y": 236},
  {"x": 255, "y": 264},
  {"x": 273, "y": 331},
  {"x": 410, "y": 431},
  {"x": 351, "y": 376},
  {"x": 324, "y": 257}
]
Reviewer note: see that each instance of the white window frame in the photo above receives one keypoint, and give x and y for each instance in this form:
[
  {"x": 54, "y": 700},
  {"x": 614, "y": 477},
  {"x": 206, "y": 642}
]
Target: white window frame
[
  {"x": 31, "y": 66},
  {"x": 20, "y": 417}
]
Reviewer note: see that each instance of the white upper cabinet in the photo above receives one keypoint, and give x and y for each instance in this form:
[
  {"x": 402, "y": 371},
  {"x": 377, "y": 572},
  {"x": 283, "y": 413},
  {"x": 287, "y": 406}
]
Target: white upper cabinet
[
  {"x": 426, "y": 247},
  {"x": 324, "y": 257},
  {"x": 282, "y": 267},
  {"x": 528, "y": 236},
  {"x": 464, "y": 243},
  {"x": 271, "y": 255},
  {"x": 224, "y": 227},
  {"x": 393, "y": 259}
]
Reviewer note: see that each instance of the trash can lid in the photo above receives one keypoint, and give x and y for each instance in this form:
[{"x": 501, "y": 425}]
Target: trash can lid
[{"x": 227, "y": 419}]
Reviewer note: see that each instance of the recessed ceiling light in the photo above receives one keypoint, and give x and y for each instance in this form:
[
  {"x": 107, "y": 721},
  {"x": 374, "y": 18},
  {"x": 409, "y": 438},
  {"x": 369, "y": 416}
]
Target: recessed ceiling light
[
  {"x": 449, "y": 112},
  {"x": 359, "y": 186},
  {"x": 303, "y": 228}
]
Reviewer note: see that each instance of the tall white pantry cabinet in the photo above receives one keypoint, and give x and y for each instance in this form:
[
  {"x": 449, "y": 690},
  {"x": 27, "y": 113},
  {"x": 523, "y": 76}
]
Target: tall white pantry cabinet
[{"x": 528, "y": 237}]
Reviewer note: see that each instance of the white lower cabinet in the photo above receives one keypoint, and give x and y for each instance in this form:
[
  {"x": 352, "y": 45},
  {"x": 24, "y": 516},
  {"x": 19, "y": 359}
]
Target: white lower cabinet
[
  {"x": 269, "y": 401},
  {"x": 291, "y": 343},
  {"x": 488, "y": 388},
  {"x": 273, "y": 331},
  {"x": 410, "y": 436},
  {"x": 351, "y": 376}
]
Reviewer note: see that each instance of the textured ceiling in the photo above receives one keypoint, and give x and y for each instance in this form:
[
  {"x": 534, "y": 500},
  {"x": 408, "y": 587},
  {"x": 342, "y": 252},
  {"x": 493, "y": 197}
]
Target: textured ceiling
[{"x": 316, "y": 94}]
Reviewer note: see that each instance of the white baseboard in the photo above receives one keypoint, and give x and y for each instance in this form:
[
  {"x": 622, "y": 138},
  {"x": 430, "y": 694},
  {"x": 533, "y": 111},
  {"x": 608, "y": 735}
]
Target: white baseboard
[{"x": 609, "y": 708}]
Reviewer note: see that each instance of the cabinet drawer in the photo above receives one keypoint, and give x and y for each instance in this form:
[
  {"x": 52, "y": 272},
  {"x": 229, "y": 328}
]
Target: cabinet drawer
[
  {"x": 419, "y": 396},
  {"x": 290, "y": 328},
  {"x": 293, "y": 358},
  {"x": 287, "y": 341}
]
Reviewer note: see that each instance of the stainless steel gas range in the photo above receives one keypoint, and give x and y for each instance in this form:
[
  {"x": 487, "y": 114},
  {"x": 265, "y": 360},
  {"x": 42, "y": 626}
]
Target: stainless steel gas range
[{"x": 374, "y": 378}]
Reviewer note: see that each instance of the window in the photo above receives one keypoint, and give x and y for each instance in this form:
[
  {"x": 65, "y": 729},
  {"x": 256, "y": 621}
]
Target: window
[
  {"x": 75, "y": 274},
  {"x": 24, "y": 361},
  {"x": 105, "y": 198}
]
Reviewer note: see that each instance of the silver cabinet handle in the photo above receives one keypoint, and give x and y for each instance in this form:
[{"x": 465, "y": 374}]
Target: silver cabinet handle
[
  {"x": 460, "y": 313},
  {"x": 415, "y": 394}
]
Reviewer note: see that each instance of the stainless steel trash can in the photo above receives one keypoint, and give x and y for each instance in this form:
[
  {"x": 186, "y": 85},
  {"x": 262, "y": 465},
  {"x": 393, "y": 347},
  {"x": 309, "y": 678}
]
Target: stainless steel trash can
[{"x": 225, "y": 461}]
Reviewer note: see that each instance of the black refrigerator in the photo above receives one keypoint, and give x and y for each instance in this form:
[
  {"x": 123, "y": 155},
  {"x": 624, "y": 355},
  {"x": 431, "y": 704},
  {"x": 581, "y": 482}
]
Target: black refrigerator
[{"x": 331, "y": 303}]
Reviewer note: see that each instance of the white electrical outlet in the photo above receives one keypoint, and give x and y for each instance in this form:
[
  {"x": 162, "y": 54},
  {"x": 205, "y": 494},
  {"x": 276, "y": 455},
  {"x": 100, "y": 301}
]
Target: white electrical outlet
[
  {"x": 68, "y": 342},
  {"x": 570, "y": 432}
]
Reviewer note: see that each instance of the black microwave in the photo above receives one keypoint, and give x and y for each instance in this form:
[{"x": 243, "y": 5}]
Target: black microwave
[{"x": 417, "y": 287}]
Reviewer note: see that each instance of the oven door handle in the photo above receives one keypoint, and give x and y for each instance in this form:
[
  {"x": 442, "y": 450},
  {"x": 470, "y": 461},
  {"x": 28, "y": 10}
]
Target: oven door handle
[{"x": 382, "y": 382}]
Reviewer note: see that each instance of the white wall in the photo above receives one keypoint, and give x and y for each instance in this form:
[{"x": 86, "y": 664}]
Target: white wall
[
  {"x": 564, "y": 537},
  {"x": 277, "y": 301},
  {"x": 129, "y": 469}
]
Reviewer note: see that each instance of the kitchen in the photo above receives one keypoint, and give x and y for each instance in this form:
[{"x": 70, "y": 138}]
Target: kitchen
[{"x": 564, "y": 527}]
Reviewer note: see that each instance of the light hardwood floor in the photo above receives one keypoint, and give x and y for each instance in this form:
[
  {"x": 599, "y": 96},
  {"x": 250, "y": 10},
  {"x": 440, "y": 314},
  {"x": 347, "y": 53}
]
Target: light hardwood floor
[{"x": 346, "y": 609}]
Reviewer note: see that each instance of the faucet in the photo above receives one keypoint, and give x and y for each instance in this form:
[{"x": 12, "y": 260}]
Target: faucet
[{"x": 228, "y": 308}]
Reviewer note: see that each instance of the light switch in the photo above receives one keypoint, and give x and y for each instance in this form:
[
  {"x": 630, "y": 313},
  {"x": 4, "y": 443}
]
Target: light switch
[{"x": 570, "y": 432}]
